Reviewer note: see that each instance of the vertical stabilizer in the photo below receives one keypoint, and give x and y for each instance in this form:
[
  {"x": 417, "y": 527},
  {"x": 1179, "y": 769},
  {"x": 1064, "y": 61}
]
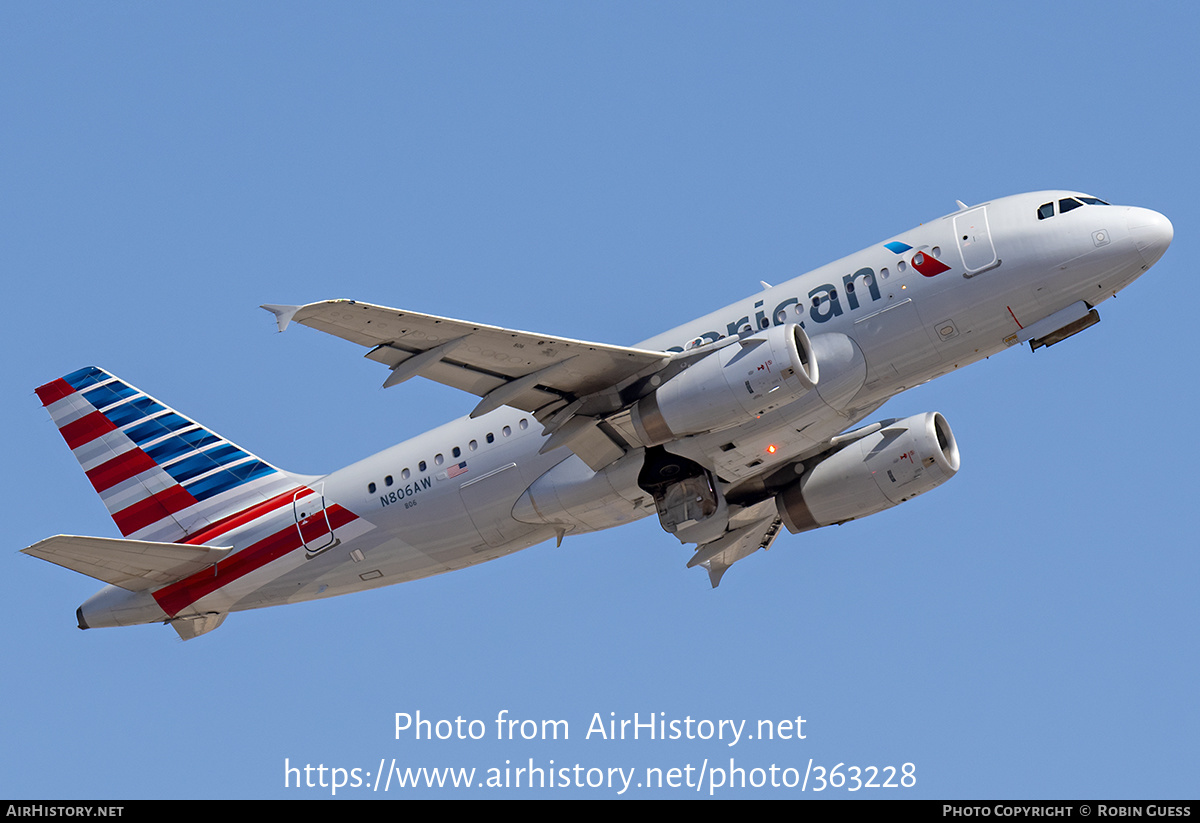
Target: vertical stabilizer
[{"x": 162, "y": 476}]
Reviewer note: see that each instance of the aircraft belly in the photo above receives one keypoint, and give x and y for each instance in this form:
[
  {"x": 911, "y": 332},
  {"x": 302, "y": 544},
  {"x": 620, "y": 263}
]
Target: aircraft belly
[
  {"x": 574, "y": 497},
  {"x": 365, "y": 565},
  {"x": 763, "y": 444},
  {"x": 488, "y": 500}
]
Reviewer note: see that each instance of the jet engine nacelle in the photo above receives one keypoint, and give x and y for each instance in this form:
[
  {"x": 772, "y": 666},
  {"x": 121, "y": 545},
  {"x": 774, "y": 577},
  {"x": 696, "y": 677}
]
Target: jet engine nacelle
[
  {"x": 885, "y": 468},
  {"x": 755, "y": 375}
]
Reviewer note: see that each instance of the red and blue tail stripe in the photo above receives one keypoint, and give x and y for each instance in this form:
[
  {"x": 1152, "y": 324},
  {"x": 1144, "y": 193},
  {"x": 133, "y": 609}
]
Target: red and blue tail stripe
[
  {"x": 166, "y": 479},
  {"x": 160, "y": 474}
]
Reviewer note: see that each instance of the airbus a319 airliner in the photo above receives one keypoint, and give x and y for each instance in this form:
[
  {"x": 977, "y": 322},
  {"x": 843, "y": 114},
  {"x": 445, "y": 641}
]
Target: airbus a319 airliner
[{"x": 728, "y": 428}]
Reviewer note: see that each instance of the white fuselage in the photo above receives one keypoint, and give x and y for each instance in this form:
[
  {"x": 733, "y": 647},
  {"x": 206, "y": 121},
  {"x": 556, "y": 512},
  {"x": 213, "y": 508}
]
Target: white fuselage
[{"x": 445, "y": 499}]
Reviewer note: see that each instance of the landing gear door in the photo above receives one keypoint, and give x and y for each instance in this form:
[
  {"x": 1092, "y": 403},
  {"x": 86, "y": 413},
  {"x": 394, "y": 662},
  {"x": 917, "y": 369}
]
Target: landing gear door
[
  {"x": 974, "y": 240},
  {"x": 312, "y": 520}
]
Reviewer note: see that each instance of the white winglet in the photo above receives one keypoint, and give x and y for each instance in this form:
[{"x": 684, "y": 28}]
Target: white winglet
[{"x": 283, "y": 314}]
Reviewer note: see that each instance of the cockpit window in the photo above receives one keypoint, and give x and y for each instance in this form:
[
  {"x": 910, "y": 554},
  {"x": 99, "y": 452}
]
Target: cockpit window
[{"x": 1066, "y": 204}]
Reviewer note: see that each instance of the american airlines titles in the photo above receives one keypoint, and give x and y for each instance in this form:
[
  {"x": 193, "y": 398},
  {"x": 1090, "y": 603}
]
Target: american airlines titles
[{"x": 825, "y": 304}]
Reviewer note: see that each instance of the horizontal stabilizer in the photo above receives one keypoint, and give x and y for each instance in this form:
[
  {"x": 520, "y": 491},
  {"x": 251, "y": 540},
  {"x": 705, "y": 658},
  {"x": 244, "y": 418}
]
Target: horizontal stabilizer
[{"x": 135, "y": 565}]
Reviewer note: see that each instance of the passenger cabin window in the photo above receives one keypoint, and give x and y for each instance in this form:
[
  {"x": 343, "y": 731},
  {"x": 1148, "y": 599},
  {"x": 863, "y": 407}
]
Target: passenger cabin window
[
  {"x": 388, "y": 480},
  {"x": 491, "y": 438},
  {"x": 457, "y": 451},
  {"x": 370, "y": 488},
  {"x": 421, "y": 465}
]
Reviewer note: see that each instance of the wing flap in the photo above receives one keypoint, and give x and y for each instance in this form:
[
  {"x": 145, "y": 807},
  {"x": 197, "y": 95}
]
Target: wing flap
[
  {"x": 134, "y": 565},
  {"x": 716, "y": 557}
]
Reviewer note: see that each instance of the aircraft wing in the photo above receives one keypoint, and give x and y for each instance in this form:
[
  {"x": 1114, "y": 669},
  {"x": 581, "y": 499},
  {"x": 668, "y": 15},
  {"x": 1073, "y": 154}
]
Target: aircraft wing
[
  {"x": 539, "y": 373},
  {"x": 569, "y": 385}
]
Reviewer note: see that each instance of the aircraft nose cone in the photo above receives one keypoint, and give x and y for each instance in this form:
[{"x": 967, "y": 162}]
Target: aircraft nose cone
[{"x": 1151, "y": 233}]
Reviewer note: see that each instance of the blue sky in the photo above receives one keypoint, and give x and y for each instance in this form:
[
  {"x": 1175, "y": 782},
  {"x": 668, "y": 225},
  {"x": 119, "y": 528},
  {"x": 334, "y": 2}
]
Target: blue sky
[{"x": 601, "y": 171}]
